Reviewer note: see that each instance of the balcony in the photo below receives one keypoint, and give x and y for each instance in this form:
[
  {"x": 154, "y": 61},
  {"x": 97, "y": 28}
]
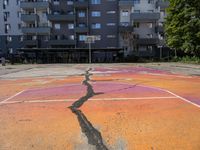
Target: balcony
[
  {"x": 81, "y": 29},
  {"x": 36, "y": 30},
  {"x": 30, "y": 42},
  {"x": 62, "y": 42},
  {"x": 145, "y": 16},
  {"x": 61, "y": 17},
  {"x": 147, "y": 41},
  {"x": 126, "y": 3},
  {"x": 126, "y": 28},
  {"x": 81, "y": 4},
  {"x": 162, "y": 4},
  {"x": 39, "y": 4},
  {"x": 29, "y": 17}
]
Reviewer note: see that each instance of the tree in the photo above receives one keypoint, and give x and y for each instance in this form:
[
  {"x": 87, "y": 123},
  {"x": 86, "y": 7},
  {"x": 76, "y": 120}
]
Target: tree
[{"x": 182, "y": 26}]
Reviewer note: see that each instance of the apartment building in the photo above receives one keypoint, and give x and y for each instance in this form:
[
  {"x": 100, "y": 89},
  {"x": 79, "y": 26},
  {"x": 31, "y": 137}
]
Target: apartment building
[
  {"x": 55, "y": 30},
  {"x": 10, "y": 26},
  {"x": 141, "y": 26}
]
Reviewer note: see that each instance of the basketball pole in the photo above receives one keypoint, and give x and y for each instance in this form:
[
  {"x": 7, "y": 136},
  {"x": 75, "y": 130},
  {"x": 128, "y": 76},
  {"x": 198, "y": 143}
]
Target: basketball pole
[{"x": 90, "y": 54}]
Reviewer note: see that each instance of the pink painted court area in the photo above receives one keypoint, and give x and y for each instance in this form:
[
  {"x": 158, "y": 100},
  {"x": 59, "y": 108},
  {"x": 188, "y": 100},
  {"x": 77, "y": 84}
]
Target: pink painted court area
[{"x": 106, "y": 90}]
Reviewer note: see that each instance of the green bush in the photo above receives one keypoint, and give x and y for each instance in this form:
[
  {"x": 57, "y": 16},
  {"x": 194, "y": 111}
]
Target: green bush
[{"x": 187, "y": 59}]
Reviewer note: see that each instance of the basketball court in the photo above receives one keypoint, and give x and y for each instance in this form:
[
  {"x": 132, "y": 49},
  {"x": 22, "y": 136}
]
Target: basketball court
[{"x": 131, "y": 107}]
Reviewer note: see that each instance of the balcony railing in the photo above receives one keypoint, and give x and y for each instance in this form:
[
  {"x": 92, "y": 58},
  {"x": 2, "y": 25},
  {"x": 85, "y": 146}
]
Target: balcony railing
[
  {"x": 29, "y": 17},
  {"x": 81, "y": 29},
  {"x": 162, "y": 4},
  {"x": 36, "y": 30},
  {"x": 126, "y": 28},
  {"x": 81, "y": 4},
  {"x": 30, "y": 4},
  {"x": 126, "y": 3},
  {"x": 147, "y": 41},
  {"x": 60, "y": 17},
  {"x": 145, "y": 16}
]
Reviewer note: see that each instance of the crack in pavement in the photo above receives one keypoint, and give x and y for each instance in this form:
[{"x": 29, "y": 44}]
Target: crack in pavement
[{"x": 93, "y": 135}]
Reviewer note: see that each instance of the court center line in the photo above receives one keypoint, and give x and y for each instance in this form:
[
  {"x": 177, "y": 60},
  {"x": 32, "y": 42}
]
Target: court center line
[{"x": 97, "y": 99}]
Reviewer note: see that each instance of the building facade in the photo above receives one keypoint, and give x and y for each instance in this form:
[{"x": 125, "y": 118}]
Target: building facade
[
  {"x": 10, "y": 26},
  {"x": 55, "y": 30}
]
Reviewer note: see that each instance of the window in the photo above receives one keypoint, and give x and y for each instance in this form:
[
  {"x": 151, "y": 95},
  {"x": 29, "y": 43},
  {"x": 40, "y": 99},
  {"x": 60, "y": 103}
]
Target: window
[
  {"x": 57, "y": 26},
  {"x": 125, "y": 13},
  {"x": 98, "y": 37},
  {"x": 82, "y": 25},
  {"x": 160, "y": 24},
  {"x": 125, "y": 24},
  {"x": 111, "y": 24},
  {"x": 150, "y": 25},
  {"x": 21, "y": 38},
  {"x": 136, "y": 24},
  {"x": 10, "y": 50},
  {"x": 150, "y": 48},
  {"x": 19, "y": 26},
  {"x": 44, "y": 14},
  {"x": 111, "y": 12},
  {"x": 96, "y": 13},
  {"x": 96, "y": 26},
  {"x": 81, "y": 14},
  {"x": 71, "y": 37},
  {"x": 162, "y": 13},
  {"x": 111, "y": 36},
  {"x": 56, "y": 12},
  {"x": 150, "y": 1},
  {"x": 82, "y": 37},
  {"x": 18, "y": 2},
  {"x": 7, "y": 28},
  {"x": 34, "y": 37},
  {"x": 56, "y": 2},
  {"x": 151, "y": 11},
  {"x": 136, "y": 11},
  {"x": 142, "y": 48},
  {"x": 70, "y": 2},
  {"x": 95, "y": 2},
  {"x": 9, "y": 39},
  {"x": 18, "y": 14},
  {"x": 45, "y": 38},
  {"x": 149, "y": 36},
  {"x": 5, "y": 3},
  {"x": 70, "y": 12},
  {"x": 6, "y": 15},
  {"x": 161, "y": 36},
  {"x": 136, "y": 1},
  {"x": 70, "y": 26},
  {"x": 136, "y": 36}
]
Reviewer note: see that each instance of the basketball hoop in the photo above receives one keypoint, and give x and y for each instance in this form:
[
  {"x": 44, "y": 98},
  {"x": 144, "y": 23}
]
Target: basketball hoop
[{"x": 90, "y": 39}]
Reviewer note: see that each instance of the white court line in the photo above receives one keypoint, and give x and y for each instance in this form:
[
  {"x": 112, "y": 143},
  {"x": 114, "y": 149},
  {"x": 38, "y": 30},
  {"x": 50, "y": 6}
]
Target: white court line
[
  {"x": 182, "y": 98},
  {"x": 2, "y": 102},
  {"x": 94, "y": 99},
  {"x": 111, "y": 99},
  {"x": 171, "y": 75}
]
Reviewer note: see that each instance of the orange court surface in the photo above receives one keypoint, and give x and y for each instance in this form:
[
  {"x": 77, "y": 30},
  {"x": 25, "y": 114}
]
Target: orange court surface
[{"x": 100, "y": 107}]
